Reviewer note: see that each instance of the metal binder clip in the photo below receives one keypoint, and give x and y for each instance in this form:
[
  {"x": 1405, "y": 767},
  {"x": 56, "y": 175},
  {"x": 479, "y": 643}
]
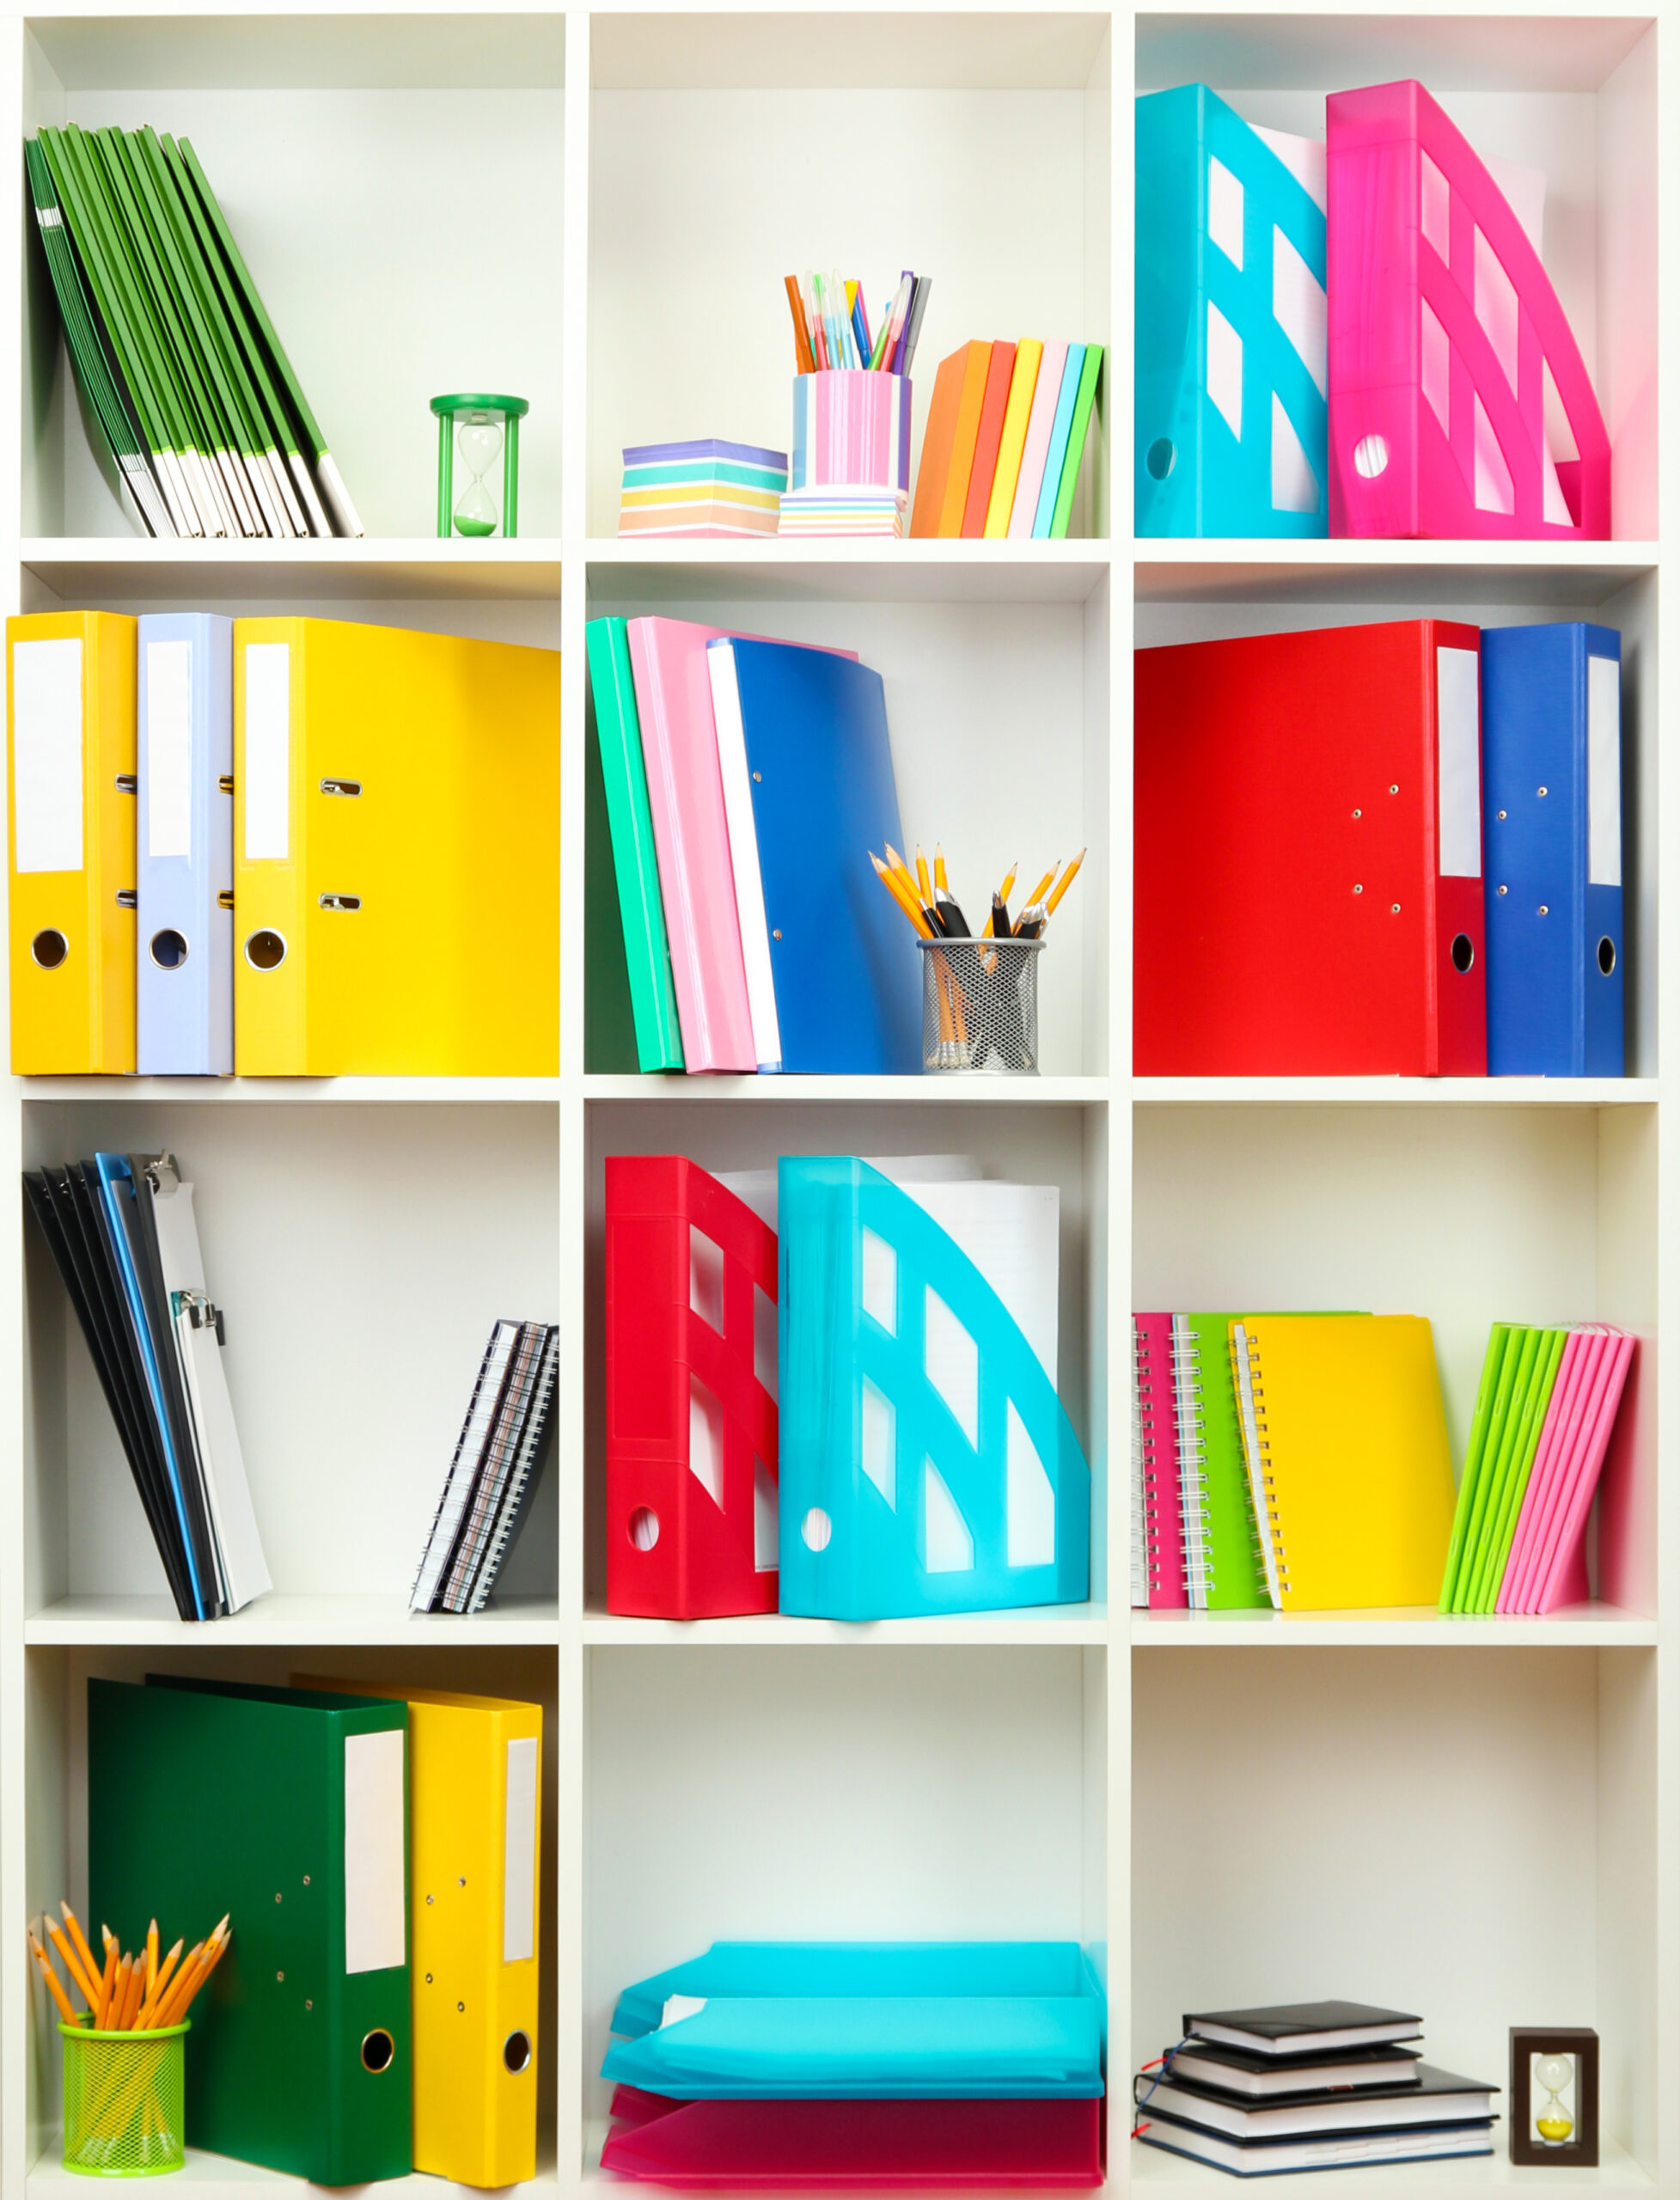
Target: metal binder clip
[{"x": 163, "y": 1174}]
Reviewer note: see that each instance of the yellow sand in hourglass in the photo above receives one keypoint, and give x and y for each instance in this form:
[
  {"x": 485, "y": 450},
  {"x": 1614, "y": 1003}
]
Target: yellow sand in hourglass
[{"x": 1553, "y": 2123}]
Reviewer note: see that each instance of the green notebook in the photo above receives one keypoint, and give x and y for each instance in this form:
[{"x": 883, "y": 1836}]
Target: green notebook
[
  {"x": 1083, "y": 398},
  {"x": 610, "y": 1022},
  {"x": 1482, "y": 1419},
  {"x": 287, "y": 1810},
  {"x": 1224, "y": 1568},
  {"x": 1516, "y": 1374},
  {"x": 1506, "y": 1502},
  {"x": 641, "y": 908}
]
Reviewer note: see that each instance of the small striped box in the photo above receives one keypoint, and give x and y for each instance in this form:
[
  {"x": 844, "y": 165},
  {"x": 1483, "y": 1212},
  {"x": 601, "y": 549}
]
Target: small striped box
[
  {"x": 851, "y": 429},
  {"x": 705, "y": 488}
]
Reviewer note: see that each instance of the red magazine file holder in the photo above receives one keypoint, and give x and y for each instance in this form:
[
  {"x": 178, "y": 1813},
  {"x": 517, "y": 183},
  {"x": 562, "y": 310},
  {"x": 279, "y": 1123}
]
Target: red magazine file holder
[{"x": 691, "y": 1428}]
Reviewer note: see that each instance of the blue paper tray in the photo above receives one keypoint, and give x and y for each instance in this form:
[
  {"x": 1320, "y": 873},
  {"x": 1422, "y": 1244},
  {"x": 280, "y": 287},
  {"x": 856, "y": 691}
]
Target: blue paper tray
[{"x": 840, "y": 2021}]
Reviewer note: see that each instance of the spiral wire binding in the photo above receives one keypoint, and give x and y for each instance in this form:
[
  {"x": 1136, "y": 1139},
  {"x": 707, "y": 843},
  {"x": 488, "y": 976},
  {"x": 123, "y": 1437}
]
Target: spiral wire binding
[
  {"x": 1257, "y": 1447},
  {"x": 1143, "y": 1452},
  {"x": 1162, "y": 2066},
  {"x": 1200, "y": 1573}
]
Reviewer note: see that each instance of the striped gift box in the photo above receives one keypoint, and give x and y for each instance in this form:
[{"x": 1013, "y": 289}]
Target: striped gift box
[
  {"x": 851, "y": 429},
  {"x": 705, "y": 487}
]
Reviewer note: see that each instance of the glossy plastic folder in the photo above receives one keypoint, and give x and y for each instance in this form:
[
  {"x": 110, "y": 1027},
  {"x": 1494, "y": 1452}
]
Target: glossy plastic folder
[
  {"x": 927, "y": 1464},
  {"x": 1229, "y": 428},
  {"x": 855, "y": 2146},
  {"x": 866, "y": 2020}
]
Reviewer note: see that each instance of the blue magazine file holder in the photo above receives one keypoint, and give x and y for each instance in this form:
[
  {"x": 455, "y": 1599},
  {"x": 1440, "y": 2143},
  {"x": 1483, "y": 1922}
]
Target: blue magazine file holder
[
  {"x": 838, "y": 2020},
  {"x": 853, "y": 1531},
  {"x": 1195, "y": 473}
]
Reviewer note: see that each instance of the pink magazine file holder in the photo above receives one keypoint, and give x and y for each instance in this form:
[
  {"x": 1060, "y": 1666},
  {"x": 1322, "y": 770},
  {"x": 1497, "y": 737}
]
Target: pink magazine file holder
[
  {"x": 855, "y": 2146},
  {"x": 1438, "y": 425},
  {"x": 851, "y": 429},
  {"x": 691, "y": 1427}
]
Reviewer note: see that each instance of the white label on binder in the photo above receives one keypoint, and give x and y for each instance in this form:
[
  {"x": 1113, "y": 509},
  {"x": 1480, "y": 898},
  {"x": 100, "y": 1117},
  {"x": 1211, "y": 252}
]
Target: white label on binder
[
  {"x": 375, "y": 1892},
  {"x": 169, "y": 748},
  {"x": 1603, "y": 772},
  {"x": 519, "y": 1863},
  {"x": 267, "y": 751},
  {"x": 1457, "y": 761},
  {"x": 46, "y": 755}
]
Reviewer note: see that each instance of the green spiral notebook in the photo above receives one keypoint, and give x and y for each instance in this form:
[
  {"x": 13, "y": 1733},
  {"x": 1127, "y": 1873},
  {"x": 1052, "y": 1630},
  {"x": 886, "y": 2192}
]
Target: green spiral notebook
[{"x": 1224, "y": 1569}]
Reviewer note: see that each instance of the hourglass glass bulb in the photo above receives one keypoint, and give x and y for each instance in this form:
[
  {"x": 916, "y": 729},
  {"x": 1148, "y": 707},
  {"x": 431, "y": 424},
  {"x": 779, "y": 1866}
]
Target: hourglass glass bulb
[
  {"x": 1553, "y": 2072},
  {"x": 479, "y": 441},
  {"x": 474, "y": 513},
  {"x": 1553, "y": 2123}
]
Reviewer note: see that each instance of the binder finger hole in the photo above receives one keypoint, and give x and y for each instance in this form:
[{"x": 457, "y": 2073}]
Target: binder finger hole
[
  {"x": 266, "y": 951},
  {"x": 1161, "y": 457},
  {"x": 168, "y": 949},
  {"x": 1371, "y": 456},
  {"x": 644, "y": 1527},
  {"x": 816, "y": 1529},
  {"x": 1606, "y": 955},
  {"x": 49, "y": 948},
  {"x": 517, "y": 2051},
  {"x": 1464, "y": 953},
  {"x": 377, "y": 2050}
]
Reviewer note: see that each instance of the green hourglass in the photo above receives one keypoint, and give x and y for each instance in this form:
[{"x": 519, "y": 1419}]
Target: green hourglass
[{"x": 484, "y": 430}]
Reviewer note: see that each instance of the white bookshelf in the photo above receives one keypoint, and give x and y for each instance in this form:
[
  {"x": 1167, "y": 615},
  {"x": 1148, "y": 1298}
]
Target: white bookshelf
[{"x": 594, "y": 208}]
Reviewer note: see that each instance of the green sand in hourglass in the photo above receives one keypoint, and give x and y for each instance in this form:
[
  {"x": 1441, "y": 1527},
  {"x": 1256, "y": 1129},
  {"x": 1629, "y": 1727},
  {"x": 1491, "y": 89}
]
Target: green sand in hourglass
[{"x": 482, "y": 430}]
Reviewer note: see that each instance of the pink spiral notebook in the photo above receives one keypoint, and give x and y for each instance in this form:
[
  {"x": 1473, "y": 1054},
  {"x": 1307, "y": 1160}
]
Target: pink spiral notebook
[
  {"x": 855, "y": 2146},
  {"x": 1157, "y": 1428}
]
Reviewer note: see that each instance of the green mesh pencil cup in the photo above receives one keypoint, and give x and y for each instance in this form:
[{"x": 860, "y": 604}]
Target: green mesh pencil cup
[{"x": 124, "y": 2101}]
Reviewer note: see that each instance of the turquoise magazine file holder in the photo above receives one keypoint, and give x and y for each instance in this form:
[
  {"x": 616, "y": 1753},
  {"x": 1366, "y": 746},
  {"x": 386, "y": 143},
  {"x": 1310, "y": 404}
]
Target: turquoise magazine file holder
[
  {"x": 839, "y": 2021},
  {"x": 890, "y": 1507},
  {"x": 1230, "y": 428}
]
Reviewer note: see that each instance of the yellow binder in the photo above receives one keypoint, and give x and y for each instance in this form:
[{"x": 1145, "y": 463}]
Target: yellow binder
[
  {"x": 1021, "y": 384},
  {"x": 396, "y": 853},
  {"x": 474, "y": 1819},
  {"x": 1346, "y": 1448},
  {"x": 71, "y": 812}
]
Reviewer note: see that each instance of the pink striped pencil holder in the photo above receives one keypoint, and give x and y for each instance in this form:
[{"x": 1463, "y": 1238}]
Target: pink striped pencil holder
[{"x": 851, "y": 429}]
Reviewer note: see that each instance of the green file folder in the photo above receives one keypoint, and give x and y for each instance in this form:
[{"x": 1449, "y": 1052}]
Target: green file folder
[
  {"x": 609, "y": 1020},
  {"x": 287, "y": 1809}
]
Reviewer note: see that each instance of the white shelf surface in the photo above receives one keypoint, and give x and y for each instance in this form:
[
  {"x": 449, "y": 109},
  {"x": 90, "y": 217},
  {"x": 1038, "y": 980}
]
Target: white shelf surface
[
  {"x": 1391, "y": 1091},
  {"x": 95, "y": 568},
  {"x": 933, "y": 1091},
  {"x": 1469, "y": 2180},
  {"x": 283, "y": 1620},
  {"x": 1060, "y": 1624},
  {"x": 238, "y": 1091},
  {"x": 914, "y": 570},
  {"x": 218, "y": 2177},
  {"x": 1531, "y": 575},
  {"x": 1400, "y": 1627}
]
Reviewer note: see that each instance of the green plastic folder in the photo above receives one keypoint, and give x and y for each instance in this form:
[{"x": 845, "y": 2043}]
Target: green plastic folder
[
  {"x": 1213, "y": 1471},
  {"x": 1499, "y": 1452},
  {"x": 1508, "y": 1498},
  {"x": 286, "y": 1809},
  {"x": 609, "y": 1021},
  {"x": 1085, "y": 398},
  {"x": 641, "y": 908}
]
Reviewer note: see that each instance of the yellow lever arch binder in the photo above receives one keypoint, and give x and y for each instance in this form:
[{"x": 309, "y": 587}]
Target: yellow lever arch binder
[
  {"x": 474, "y": 1817},
  {"x": 72, "y": 815},
  {"x": 396, "y": 853}
]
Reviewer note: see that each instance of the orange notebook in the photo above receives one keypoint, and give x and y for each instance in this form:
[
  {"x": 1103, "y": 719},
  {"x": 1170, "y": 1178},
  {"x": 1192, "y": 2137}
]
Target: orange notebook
[
  {"x": 936, "y": 438},
  {"x": 964, "y": 438},
  {"x": 992, "y": 411}
]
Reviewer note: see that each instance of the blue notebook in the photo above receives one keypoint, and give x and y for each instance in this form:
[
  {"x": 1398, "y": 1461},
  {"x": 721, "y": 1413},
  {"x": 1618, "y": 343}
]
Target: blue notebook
[
  {"x": 833, "y": 947},
  {"x": 184, "y": 1001},
  {"x": 825, "y": 2020},
  {"x": 1551, "y": 770},
  {"x": 1061, "y": 426}
]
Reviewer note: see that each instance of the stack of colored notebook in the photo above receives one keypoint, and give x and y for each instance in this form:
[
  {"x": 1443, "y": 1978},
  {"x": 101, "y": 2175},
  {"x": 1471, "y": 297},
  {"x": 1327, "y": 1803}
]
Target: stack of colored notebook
[
  {"x": 1314, "y": 2085},
  {"x": 1298, "y": 1461},
  {"x": 832, "y": 509},
  {"x": 181, "y": 373},
  {"x": 125, "y": 1239},
  {"x": 1006, "y": 437},
  {"x": 742, "y": 783},
  {"x": 1545, "y": 1411},
  {"x": 487, "y": 1490},
  {"x": 702, "y": 488},
  {"x": 829, "y": 2066}
]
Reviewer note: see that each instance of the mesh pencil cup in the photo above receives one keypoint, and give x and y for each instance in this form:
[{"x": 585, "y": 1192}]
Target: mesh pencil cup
[
  {"x": 980, "y": 1004},
  {"x": 124, "y": 2101}
]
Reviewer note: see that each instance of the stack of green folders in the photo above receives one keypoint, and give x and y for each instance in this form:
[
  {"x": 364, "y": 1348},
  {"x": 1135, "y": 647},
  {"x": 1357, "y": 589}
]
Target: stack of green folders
[{"x": 180, "y": 368}]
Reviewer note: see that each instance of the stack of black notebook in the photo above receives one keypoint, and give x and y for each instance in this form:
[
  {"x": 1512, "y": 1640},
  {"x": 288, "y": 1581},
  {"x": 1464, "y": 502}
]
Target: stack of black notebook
[
  {"x": 1314, "y": 2085},
  {"x": 487, "y": 1494},
  {"x": 123, "y": 1234}
]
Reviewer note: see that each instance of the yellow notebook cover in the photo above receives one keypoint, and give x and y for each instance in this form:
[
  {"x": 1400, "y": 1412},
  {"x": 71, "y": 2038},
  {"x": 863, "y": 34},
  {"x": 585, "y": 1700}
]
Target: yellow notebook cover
[
  {"x": 72, "y": 813},
  {"x": 1349, "y": 1439},
  {"x": 396, "y": 853},
  {"x": 474, "y": 1815},
  {"x": 1021, "y": 384}
]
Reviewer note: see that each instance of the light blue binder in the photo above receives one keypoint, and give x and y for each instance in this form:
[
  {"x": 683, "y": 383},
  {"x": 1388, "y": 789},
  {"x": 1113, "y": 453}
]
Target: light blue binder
[
  {"x": 853, "y": 1531},
  {"x": 1203, "y": 175},
  {"x": 895, "y": 2020},
  {"x": 1061, "y": 426},
  {"x": 1551, "y": 812},
  {"x": 184, "y": 995}
]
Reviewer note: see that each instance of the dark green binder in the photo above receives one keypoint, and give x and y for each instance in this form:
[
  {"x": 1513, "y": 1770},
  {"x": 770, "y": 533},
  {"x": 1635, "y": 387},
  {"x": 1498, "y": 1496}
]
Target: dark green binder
[
  {"x": 609, "y": 1021},
  {"x": 617, "y": 726},
  {"x": 280, "y": 1806}
]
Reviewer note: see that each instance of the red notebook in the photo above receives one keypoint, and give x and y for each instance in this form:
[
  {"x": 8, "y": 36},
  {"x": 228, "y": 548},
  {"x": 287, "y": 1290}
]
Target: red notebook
[
  {"x": 1157, "y": 1439},
  {"x": 993, "y": 406},
  {"x": 856, "y": 2146},
  {"x": 1307, "y": 874}
]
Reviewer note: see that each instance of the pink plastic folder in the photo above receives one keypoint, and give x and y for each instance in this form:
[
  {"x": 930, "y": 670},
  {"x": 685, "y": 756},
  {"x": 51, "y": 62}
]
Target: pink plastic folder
[
  {"x": 1565, "y": 1580},
  {"x": 1443, "y": 325},
  {"x": 1158, "y": 1423},
  {"x": 690, "y": 837},
  {"x": 856, "y": 2146},
  {"x": 1582, "y": 1351}
]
